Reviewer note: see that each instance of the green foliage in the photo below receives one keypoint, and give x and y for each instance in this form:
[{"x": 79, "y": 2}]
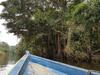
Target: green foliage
[
  {"x": 55, "y": 28},
  {"x": 4, "y": 47}
]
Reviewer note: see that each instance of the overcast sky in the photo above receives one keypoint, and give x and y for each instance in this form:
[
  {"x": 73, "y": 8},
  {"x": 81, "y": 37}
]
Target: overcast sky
[{"x": 4, "y": 36}]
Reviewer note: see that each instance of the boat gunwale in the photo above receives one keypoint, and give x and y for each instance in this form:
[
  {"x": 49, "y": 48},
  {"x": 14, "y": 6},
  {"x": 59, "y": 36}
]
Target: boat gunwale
[
  {"x": 19, "y": 65},
  {"x": 89, "y": 72},
  {"x": 17, "y": 69}
]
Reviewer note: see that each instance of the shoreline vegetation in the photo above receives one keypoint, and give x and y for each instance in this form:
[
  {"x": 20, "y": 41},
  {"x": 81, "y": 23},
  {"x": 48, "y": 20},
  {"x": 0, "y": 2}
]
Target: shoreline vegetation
[
  {"x": 61, "y": 30},
  {"x": 13, "y": 58}
]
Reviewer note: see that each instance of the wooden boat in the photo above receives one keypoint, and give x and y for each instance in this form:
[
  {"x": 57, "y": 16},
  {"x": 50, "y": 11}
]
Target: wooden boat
[{"x": 34, "y": 65}]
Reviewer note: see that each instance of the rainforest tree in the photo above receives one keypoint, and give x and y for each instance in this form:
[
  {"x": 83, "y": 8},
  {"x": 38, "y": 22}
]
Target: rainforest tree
[{"x": 57, "y": 29}]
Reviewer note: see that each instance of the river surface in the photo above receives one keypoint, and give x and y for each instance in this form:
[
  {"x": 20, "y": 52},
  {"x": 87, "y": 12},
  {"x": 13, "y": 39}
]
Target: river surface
[
  {"x": 6, "y": 63},
  {"x": 5, "y": 70}
]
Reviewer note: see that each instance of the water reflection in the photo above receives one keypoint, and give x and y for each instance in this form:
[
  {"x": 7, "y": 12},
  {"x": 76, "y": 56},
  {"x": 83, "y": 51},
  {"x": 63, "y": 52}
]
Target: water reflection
[
  {"x": 7, "y": 62},
  {"x": 3, "y": 59},
  {"x": 7, "y": 58}
]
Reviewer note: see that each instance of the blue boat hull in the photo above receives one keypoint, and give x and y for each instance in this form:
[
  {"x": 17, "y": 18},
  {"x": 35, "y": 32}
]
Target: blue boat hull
[{"x": 22, "y": 67}]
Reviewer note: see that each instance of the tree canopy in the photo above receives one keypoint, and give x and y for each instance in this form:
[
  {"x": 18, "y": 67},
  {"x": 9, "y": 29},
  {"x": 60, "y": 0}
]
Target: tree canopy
[{"x": 55, "y": 28}]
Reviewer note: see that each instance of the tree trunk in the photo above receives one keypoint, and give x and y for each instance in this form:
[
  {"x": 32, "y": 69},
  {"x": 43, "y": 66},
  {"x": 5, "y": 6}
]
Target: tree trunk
[
  {"x": 49, "y": 51},
  {"x": 58, "y": 45},
  {"x": 67, "y": 48},
  {"x": 89, "y": 52}
]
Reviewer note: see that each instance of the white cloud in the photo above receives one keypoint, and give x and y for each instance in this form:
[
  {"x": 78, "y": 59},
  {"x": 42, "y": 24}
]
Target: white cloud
[{"x": 4, "y": 35}]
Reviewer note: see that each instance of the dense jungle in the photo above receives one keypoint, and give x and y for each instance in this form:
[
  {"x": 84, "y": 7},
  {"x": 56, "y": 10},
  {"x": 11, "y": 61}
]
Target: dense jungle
[{"x": 63, "y": 30}]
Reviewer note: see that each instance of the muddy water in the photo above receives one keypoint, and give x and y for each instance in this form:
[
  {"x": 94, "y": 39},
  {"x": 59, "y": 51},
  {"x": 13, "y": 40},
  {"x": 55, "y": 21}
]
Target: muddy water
[
  {"x": 6, "y": 58},
  {"x": 5, "y": 63},
  {"x": 3, "y": 59}
]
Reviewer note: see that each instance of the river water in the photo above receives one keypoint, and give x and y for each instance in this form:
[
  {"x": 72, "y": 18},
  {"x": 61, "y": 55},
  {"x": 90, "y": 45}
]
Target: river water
[
  {"x": 6, "y": 63},
  {"x": 6, "y": 69}
]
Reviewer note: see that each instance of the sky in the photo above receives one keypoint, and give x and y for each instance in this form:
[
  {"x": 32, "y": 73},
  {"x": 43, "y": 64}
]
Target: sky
[{"x": 9, "y": 38}]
